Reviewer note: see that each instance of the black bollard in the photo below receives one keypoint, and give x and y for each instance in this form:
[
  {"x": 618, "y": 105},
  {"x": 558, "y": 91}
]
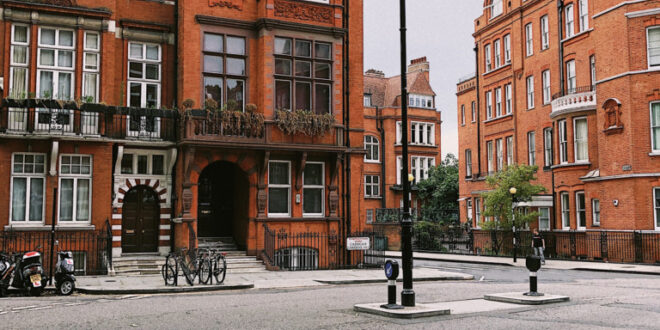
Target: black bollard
[
  {"x": 391, "y": 272},
  {"x": 533, "y": 263}
]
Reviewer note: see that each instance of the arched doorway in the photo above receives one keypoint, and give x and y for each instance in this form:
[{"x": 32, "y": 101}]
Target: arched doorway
[
  {"x": 223, "y": 202},
  {"x": 140, "y": 219}
]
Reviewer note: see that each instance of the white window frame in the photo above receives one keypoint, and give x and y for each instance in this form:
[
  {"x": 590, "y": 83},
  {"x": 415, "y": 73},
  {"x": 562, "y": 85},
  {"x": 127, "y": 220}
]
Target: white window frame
[
  {"x": 496, "y": 52},
  {"x": 507, "y": 49},
  {"x": 489, "y": 150},
  {"x": 462, "y": 114},
  {"x": 372, "y": 184},
  {"x": 507, "y": 97},
  {"x": 150, "y": 155},
  {"x": 468, "y": 205},
  {"x": 578, "y": 217},
  {"x": 306, "y": 186},
  {"x": 367, "y": 100},
  {"x": 531, "y": 148},
  {"x": 576, "y": 142},
  {"x": 592, "y": 71},
  {"x": 287, "y": 186},
  {"x": 477, "y": 212},
  {"x": 399, "y": 168},
  {"x": 656, "y": 214},
  {"x": 74, "y": 201},
  {"x": 487, "y": 56},
  {"x": 500, "y": 154},
  {"x": 143, "y": 82},
  {"x": 474, "y": 111},
  {"x": 371, "y": 143},
  {"x": 654, "y": 65},
  {"x": 530, "y": 92},
  {"x": 547, "y": 147},
  {"x": 498, "y": 102},
  {"x": 545, "y": 33},
  {"x": 543, "y": 218},
  {"x": 399, "y": 134},
  {"x": 18, "y": 118},
  {"x": 56, "y": 69},
  {"x": 583, "y": 10},
  {"x": 419, "y": 167},
  {"x": 546, "y": 87},
  {"x": 595, "y": 212},
  {"x": 496, "y": 8},
  {"x": 427, "y": 130},
  {"x": 91, "y": 71},
  {"x": 28, "y": 177},
  {"x": 468, "y": 162},
  {"x": 571, "y": 78},
  {"x": 655, "y": 148},
  {"x": 489, "y": 105},
  {"x": 570, "y": 21},
  {"x": 565, "y": 210},
  {"x": 509, "y": 150},
  {"x": 529, "y": 39}
]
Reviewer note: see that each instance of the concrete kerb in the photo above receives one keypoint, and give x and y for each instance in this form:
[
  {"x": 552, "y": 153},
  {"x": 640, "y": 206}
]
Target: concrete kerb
[
  {"x": 173, "y": 289},
  {"x": 422, "y": 279}
]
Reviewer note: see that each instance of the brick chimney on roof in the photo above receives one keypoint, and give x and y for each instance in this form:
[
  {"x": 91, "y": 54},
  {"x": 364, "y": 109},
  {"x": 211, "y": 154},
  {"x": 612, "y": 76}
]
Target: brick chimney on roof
[
  {"x": 375, "y": 73},
  {"x": 420, "y": 65}
]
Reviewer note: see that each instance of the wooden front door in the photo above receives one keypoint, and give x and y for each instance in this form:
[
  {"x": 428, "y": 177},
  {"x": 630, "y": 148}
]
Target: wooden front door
[{"x": 140, "y": 217}]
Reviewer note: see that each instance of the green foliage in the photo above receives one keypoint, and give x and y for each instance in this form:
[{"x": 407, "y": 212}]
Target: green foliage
[
  {"x": 303, "y": 121},
  {"x": 498, "y": 202},
  {"x": 427, "y": 235},
  {"x": 439, "y": 192}
]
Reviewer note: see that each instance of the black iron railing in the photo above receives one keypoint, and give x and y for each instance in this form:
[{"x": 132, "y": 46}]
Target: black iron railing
[{"x": 92, "y": 250}]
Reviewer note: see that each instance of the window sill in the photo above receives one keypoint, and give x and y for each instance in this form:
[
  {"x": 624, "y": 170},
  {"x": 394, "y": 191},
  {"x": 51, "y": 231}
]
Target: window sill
[
  {"x": 373, "y": 197},
  {"x": 577, "y": 35},
  {"x": 654, "y": 154},
  {"x": 570, "y": 165},
  {"x": 371, "y": 161},
  {"x": 496, "y": 69},
  {"x": 500, "y": 118}
]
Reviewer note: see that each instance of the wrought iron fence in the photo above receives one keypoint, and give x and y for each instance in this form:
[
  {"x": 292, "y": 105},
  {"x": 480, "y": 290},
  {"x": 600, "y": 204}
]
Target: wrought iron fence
[
  {"x": 599, "y": 245},
  {"x": 315, "y": 251},
  {"x": 92, "y": 250},
  {"x": 417, "y": 214}
]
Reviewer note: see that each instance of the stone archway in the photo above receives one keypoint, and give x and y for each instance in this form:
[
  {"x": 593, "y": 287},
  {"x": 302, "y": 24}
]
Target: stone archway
[{"x": 223, "y": 202}]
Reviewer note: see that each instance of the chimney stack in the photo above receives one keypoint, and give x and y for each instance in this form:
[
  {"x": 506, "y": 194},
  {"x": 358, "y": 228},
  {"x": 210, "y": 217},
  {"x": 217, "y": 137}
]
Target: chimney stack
[{"x": 419, "y": 64}]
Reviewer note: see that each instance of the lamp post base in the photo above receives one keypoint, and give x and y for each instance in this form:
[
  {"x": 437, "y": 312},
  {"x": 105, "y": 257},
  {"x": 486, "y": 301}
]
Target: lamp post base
[{"x": 408, "y": 298}]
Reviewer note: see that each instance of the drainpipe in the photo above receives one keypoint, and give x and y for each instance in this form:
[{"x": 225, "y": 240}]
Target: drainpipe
[
  {"x": 560, "y": 10},
  {"x": 347, "y": 121},
  {"x": 476, "y": 75},
  {"x": 379, "y": 126}
]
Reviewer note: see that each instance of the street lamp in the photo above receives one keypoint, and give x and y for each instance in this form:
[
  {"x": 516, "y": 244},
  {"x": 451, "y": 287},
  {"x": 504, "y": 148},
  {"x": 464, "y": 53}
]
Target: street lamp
[
  {"x": 407, "y": 295},
  {"x": 513, "y": 192}
]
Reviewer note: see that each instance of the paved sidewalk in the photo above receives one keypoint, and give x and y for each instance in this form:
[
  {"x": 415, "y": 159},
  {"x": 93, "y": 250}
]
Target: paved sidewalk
[
  {"x": 549, "y": 264},
  {"x": 262, "y": 280}
]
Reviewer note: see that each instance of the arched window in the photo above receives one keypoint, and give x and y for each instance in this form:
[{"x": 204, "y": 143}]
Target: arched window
[{"x": 372, "y": 147}]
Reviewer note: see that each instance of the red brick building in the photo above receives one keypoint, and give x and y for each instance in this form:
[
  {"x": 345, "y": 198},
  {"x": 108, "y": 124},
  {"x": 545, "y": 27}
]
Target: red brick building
[
  {"x": 124, "y": 143},
  {"x": 383, "y": 188},
  {"x": 573, "y": 87}
]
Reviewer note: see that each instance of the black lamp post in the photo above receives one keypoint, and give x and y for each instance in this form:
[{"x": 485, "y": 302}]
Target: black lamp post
[
  {"x": 407, "y": 295},
  {"x": 513, "y": 192}
]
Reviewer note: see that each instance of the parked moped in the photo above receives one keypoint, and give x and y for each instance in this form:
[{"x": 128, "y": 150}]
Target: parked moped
[
  {"x": 65, "y": 281},
  {"x": 29, "y": 273},
  {"x": 7, "y": 266}
]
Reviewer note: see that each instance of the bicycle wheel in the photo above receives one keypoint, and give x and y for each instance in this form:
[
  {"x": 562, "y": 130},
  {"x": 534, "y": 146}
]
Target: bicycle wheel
[
  {"x": 188, "y": 273},
  {"x": 205, "y": 271},
  {"x": 169, "y": 270},
  {"x": 220, "y": 269}
]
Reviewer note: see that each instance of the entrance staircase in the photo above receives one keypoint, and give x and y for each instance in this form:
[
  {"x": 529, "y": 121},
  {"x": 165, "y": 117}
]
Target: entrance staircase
[
  {"x": 151, "y": 263},
  {"x": 237, "y": 261}
]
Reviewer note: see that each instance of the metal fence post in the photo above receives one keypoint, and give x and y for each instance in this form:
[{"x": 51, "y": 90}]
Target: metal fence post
[
  {"x": 572, "y": 237},
  {"x": 603, "y": 245},
  {"x": 639, "y": 251}
]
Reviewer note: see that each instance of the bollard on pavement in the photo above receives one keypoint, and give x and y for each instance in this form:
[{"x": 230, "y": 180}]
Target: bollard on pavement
[
  {"x": 391, "y": 272},
  {"x": 533, "y": 263}
]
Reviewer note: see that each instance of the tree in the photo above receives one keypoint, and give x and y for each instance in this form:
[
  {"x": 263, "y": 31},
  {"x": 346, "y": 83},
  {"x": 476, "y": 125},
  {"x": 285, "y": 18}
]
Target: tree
[
  {"x": 498, "y": 203},
  {"x": 439, "y": 192}
]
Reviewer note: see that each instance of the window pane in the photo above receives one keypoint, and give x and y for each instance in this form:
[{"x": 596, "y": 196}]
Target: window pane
[
  {"x": 142, "y": 164},
  {"x": 322, "y": 51},
  {"x": 322, "y": 70},
  {"x": 157, "y": 164},
  {"x": 312, "y": 200},
  {"x": 18, "y": 87},
  {"x": 135, "y": 51},
  {"x": 64, "y": 86},
  {"x": 36, "y": 199},
  {"x": 18, "y": 199},
  {"x": 282, "y": 46},
  {"x": 235, "y": 94},
  {"x": 152, "y": 96},
  {"x": 313, "y": 174},
  {"x": 134, "y": 70},
  {"x": 152, "y": 71},
  {"x": 278, "y": 173},
  {"x": 127, "y": 164},
  {"x": 136, "y": 95},
  {"x": 86, "y": 166},
  {"x": 655, "y": 125},
  {"x": 82, "y": 200},
  {"x": 91, "y": 61},
  {"x": 66, "y": 38},
  {"x": 236, "y": 66},
  {"x": 47, "y": 57},
  {"x": 282, "y": 66},
  {"x": 92, "y": 41},
  {"x": 303, "y": 96},
  {"x": 213, "y": 43},
  {"x": 66, "y": 200},
  {"x": 19, "y": 54},
  {"x": 322, "y": 99},
  {"x": 20, "y": 33},
  {"x": 152, "y": 52},
  {"x": 89, "y": 86},
  {"x": 282, "y": 95},
  {"x": 236, "y": 45},
  {"x": 213, "y": 64},
  {"x": 278, "y": 200},
  {"x": 213, "y": 88},
  {"x": 303, "y": 69},
  {"x": 47, "y": 37},
  {"x": 303, "y": 48},
  {"x": 46, "y": 84}
]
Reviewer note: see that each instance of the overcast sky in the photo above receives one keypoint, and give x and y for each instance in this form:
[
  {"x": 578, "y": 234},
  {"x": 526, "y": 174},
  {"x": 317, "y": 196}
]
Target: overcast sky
[{"x": 442, "y": 31}]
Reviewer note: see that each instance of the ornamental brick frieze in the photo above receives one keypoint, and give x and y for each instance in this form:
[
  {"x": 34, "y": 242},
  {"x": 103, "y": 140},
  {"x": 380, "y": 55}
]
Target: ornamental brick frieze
[
  {"x": 231, "y": 4},
  {"x": 302, "y": 11}
]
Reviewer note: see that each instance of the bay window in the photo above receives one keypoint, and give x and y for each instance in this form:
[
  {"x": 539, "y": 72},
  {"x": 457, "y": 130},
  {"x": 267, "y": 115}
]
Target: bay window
[
  {"x": 28, "y": 187},
  {"x": 419, "y": 167},
  {"x": 580, "y": 210},
  {"x": 279, "y": 188},
  {"x": 422, "y": 133},
  {"x": 570, "y": 21},
  {"x": 75, "y": 191},
  {"x": 144, "y": 83},
  {"x": 224, "y": 69},
  {"x": 313, "y": 189},
  {"x": 55, "y": 76},
  {"x": 303, "y": 75},
  {"x": 18, "y": 74},
  {"x": 581, "y": 140}
]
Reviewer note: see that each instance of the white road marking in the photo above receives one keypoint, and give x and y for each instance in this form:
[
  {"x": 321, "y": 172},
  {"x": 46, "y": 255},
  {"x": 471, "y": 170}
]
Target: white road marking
[{"x": 24, "y": 307}]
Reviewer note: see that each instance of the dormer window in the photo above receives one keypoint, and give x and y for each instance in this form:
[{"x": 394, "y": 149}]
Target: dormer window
[{"x": 496, "y": 8}]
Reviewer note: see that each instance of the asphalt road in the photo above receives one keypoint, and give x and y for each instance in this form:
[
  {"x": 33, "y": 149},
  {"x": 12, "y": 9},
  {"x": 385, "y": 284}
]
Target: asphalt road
[{"x": 598, "y": 300}]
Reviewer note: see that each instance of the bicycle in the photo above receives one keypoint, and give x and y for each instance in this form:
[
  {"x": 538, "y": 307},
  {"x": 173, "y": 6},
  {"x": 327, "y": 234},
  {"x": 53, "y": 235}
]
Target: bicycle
[
  {"x": 192, "y": 263},
  {"x": 218, "y": 266}
]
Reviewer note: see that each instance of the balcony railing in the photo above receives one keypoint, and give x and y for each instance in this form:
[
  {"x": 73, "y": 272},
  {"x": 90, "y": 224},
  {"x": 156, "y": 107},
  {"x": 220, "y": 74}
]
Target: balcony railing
[
  {"x": 578, "y": 99},
  {"x": 227, "y": 126},
  {"x": 90, "y": 120}
]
